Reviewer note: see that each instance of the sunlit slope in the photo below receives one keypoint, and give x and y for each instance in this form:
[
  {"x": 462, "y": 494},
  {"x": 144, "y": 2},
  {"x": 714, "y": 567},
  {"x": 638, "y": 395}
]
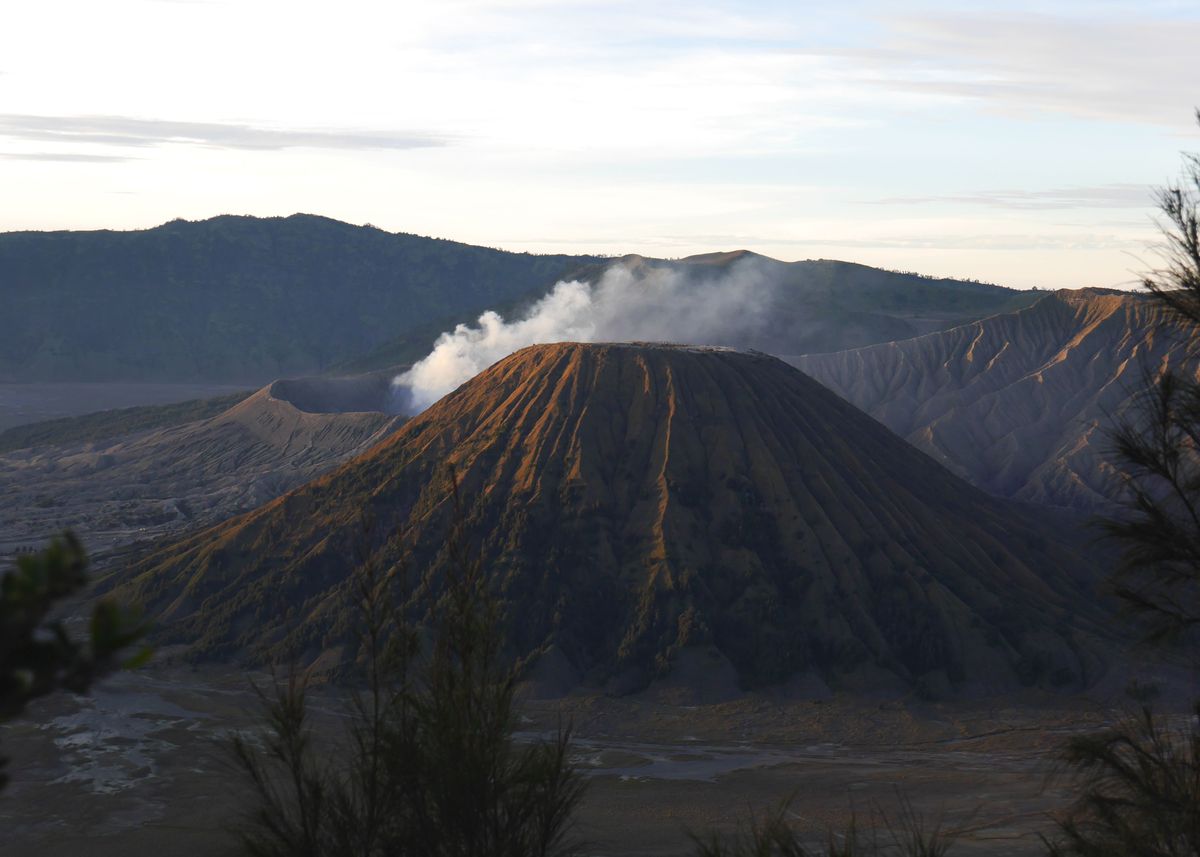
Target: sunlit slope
[
  {"x": 1018, "y": 403},
  {"x": 632, "y": 501}
]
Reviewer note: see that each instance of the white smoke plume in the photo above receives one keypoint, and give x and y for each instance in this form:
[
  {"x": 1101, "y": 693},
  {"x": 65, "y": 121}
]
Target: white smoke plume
[{"x": 627, "y": 303}]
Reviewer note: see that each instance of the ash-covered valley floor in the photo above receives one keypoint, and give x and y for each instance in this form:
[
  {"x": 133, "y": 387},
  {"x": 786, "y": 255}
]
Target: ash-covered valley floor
[{"x": 143, "y": 766}]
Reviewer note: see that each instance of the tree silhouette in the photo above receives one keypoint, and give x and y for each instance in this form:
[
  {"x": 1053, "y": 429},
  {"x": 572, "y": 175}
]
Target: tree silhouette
[
  {"x": 430, "y": 765},
  {"x": 38, "y": 656},
  {"x": 1159, "y": 445},
  {"x": 1139, "y": 781}
]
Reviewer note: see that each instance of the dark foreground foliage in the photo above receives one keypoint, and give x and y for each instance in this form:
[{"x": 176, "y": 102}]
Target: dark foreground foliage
[
  {"x": 1139, "y": 782},
  {"x": 38, "y": 656},
  {"x": 1159, "y": 576},
  {"x": 904, "y": 834},
  {"x": 1139, "y": 791},
  {"x": 1159, "y": 446},
  {"x": 429, "y": 765}
]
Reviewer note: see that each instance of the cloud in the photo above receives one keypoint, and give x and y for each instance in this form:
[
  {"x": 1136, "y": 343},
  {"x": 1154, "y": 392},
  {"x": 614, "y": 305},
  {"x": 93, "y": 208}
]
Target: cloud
[
  {"x": 1116, "y": 67},
  {"x": 991, "y": 241},
  {"x": 984, "y": 241},
  {"x": 65, "y": 157},
  {"x": 130, "y": 131},
  {"x": 1083, "y": 236},
  {"x": 1100, "y": 196}
]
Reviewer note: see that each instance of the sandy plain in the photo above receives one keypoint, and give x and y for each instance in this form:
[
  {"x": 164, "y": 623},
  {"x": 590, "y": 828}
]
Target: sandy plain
[{"x": 142, "y": 766}]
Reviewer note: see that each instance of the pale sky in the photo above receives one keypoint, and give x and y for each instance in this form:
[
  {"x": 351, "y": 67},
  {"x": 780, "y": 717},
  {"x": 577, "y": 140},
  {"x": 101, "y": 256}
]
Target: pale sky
[{"x": 1008, "y": 141}]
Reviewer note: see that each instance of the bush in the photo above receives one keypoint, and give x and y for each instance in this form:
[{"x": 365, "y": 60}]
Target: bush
[
  {"x": 37, "y": 656},
  {"x": 906, "y": 834},
  {"x": 1139, "y": 788},
  {"x": 1139, "y": 782},
  {"x": 429, "y": 765}
]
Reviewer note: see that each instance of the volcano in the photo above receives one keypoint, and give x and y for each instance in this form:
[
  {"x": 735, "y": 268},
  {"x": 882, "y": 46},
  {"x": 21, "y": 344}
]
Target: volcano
[
  {"x": 636, "y": 504},
  {"x": 119, "y": 487}
]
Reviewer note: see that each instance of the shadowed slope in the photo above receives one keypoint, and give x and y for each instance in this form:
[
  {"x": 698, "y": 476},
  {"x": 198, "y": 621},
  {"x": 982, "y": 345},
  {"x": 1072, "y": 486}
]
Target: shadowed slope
[
  {"x": 634, "y": 500},
  {"x": 1017, "y": 403}
]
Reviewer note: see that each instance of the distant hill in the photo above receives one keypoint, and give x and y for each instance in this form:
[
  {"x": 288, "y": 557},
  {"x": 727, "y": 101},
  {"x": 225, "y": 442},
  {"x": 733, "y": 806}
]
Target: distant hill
[
  {"x": 822, "y": 305},
  {"x": 236, "y": 299},
  {"x": 164, "y": 474},
  {"x": 245, "y": 299},
  {"x": 640, "y": 506},
  {"x": 1019, "y": 403},
  {"x": 790, "y": 307}
]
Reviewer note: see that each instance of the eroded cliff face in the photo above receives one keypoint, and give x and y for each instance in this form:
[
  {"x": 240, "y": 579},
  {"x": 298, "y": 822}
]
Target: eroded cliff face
[
  {"x": 1020, "y": 403},
  {"x": 633, "y": 502}
]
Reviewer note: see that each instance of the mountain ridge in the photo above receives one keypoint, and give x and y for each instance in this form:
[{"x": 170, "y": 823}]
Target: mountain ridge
[
  {"x": 1018, "y": 403},
  {"x": 244, "y": 299},
  {"x": 237, "y": 298}
]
